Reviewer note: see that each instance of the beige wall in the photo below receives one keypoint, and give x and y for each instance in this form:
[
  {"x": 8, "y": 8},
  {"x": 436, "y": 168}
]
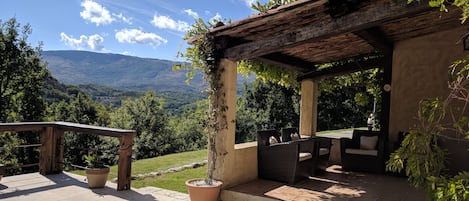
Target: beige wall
[{"x": 420, "y": 69}]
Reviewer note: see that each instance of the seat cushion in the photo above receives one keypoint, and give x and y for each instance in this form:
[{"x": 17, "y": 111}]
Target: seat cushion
[
  {"x": 323, "y": 151},
  {"x": 295, "y": 137},
  {"x": 368, "y": 142},
  {"x": 305, "y": 156},
  {"x": 362, "y": 152},
  {"x": 273, "y": 140}
]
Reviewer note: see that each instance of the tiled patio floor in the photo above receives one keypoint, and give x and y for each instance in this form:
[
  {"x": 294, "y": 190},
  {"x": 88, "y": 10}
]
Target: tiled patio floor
[
  {"x": 333, "y": 185},
  {"x": 68, "y": 186}
]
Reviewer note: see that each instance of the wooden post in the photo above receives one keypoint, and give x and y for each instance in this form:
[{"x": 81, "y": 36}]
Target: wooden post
[
  {"x": 47, "y": 155},
  {"x": 124, "y": 171},
  {"x": 59, "y": 150},
  {"x": 51, "y": 157}
]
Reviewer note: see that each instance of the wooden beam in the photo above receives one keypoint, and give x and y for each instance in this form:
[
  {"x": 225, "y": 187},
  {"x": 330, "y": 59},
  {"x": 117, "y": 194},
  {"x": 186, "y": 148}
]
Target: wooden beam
[
  {"x": 376, "y": 38},
  {"x": 359, "y": 20},
  {"x": 288, "y": 62},
  {"x": 344, "y": 69}
]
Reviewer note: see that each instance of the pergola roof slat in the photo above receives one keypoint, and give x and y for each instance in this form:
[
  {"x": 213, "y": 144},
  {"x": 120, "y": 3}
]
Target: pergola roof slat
[{"x": 373, "y": 16}]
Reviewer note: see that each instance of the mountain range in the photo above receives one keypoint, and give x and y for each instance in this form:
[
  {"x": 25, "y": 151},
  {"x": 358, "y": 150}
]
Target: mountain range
[{"x": 118, "y": 71}]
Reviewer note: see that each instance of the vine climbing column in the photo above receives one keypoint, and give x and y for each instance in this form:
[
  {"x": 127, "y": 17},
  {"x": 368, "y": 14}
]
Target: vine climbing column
[{"x": 225, "y": 136}]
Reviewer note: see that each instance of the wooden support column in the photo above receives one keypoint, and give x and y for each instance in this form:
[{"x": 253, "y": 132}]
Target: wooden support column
[
  {"x": 124, "y": 167},
  {"x": 225, "y": 138},
  {"x": 309, "y": 105}
]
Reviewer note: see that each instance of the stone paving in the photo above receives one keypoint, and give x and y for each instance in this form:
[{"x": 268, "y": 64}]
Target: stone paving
[
  {"x": 67, "y": 186},
  {"x": 332, "y": 185}
]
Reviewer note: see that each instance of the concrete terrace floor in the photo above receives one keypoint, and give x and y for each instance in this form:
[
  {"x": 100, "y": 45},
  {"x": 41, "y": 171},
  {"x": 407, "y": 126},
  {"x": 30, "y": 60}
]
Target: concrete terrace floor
[
  {"x": 67, "y": 186},
  {"x": 332, "y": 185}
]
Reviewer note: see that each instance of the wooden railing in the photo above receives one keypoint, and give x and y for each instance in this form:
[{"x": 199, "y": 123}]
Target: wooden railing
[{"x": 51, "y": 157}]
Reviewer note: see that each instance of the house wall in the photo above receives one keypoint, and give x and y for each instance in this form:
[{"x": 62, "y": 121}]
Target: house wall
[{"x": 420, "y": 71}]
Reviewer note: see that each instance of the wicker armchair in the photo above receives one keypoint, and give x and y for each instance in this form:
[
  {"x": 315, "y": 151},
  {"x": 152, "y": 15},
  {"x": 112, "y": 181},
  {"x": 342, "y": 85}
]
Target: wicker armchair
[
  {"x": 283, "y": 161},
  {"x": 364, "y": 152},
  {"x": 321, "y": 152}
]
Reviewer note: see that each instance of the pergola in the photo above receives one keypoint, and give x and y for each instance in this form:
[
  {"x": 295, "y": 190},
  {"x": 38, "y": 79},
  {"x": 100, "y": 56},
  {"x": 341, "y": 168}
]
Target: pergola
[{"x": 305, "y": 34}]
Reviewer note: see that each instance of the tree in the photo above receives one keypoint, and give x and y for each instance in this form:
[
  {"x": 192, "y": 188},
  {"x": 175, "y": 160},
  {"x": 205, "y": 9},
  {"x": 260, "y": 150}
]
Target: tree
[
  {"x": 22, "y": 75},
  {"x": 266, "y": 106},
  {"x": 146, "y": 116},
  {"x": 80, "y": 109},
  {"x": 189, "y": 129}
]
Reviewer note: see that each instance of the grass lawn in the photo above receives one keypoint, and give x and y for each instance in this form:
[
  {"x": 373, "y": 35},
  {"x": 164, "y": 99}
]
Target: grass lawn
[
  {"x": 159, "y": 163},
  {"x": 340, "y": 130},
  {"x": 172, "y": 181}
]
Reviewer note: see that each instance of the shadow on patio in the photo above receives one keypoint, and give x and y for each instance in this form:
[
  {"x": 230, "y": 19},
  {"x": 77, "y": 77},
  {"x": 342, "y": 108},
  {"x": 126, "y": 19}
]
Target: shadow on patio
[
  {"x": 67, "y": 186},
  {"x": 333, "y": 185}
]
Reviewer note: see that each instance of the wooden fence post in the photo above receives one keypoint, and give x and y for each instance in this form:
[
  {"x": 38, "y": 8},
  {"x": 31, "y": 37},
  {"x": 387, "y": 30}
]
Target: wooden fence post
[
  {"x": 124, "y": 174},
  {"x": 51, "y": 154},
  {"x": 59, "y": 150},
  {"x": 46, "y": 156}
]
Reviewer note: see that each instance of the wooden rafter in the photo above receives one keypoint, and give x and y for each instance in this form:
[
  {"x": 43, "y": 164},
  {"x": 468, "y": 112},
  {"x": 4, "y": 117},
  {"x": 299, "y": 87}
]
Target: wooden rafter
[
  {"x": 345, "y": 68},
  {"x": 360, "y": 20},
  {"x": 288, "y": 62},
  {"x": 377, "y": 39}
]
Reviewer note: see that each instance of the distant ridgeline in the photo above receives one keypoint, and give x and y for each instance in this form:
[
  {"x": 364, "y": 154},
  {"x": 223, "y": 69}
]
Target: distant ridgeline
[
  {"x": 118, "y": 71},
  {"x": 109, "y": 78}
]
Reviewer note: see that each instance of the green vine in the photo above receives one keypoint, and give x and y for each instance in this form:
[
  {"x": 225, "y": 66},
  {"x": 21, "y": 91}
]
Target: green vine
[{"x": 203, "y": 56}]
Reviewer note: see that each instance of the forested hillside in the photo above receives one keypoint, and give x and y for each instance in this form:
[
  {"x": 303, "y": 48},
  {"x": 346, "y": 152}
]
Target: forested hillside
[{"x": 119, "y": 71}]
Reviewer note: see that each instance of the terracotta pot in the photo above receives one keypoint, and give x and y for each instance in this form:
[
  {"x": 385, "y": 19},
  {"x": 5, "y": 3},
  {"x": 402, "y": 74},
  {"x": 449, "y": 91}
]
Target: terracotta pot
[
  {"x": 97, "y": 177},
  {"x": 200, "y": 191}
]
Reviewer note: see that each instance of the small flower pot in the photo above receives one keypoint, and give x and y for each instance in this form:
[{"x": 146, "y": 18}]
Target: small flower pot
[
  {"x": 97, "y": 177},
  {"x": 199, "y": 190}
]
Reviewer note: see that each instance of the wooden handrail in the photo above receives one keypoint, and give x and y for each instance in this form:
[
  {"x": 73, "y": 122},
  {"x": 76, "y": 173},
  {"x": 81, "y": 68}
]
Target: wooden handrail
[{"x": 51, "y": 157}]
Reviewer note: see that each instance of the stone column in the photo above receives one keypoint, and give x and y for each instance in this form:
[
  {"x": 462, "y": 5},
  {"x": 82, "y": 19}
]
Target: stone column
[
  {"x": 309, "y": 105},
  {"x": 225, "y": 138}
]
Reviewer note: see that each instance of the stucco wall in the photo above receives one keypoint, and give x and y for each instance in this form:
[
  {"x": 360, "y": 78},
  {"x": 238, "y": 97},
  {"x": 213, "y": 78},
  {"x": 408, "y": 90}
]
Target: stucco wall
[{"x": 420, "y": 69}]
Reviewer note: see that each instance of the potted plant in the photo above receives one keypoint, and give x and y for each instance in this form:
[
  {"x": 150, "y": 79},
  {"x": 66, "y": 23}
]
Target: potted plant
[{"x": 96, "y": 171}]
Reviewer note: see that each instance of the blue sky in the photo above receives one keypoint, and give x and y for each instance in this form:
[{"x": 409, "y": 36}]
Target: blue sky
[{"x": 143, "y": 28}]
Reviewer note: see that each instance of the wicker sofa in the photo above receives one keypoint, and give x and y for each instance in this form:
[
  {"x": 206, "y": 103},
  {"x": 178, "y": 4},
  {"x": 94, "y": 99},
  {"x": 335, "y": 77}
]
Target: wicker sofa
[{"x": 284, "y": 161}]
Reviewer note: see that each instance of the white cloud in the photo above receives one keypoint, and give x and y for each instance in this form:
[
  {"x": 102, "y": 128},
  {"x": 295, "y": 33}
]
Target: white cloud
[
  {"x": 216, "y": 18},
  {"x": 95, "y": 13},
  {"x": 123, "y": 18},
  {"x": 165, "y": 22},
  {"x": 139, "y": 37},
  {"x": 93, "y": 42},
  {"x": 191, "y": 13},
  {"x": 249, "y": 2}
]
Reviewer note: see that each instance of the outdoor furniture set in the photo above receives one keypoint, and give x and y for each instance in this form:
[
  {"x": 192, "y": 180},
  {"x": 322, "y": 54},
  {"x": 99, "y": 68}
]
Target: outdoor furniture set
[{"x": 285, "y": 156}]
